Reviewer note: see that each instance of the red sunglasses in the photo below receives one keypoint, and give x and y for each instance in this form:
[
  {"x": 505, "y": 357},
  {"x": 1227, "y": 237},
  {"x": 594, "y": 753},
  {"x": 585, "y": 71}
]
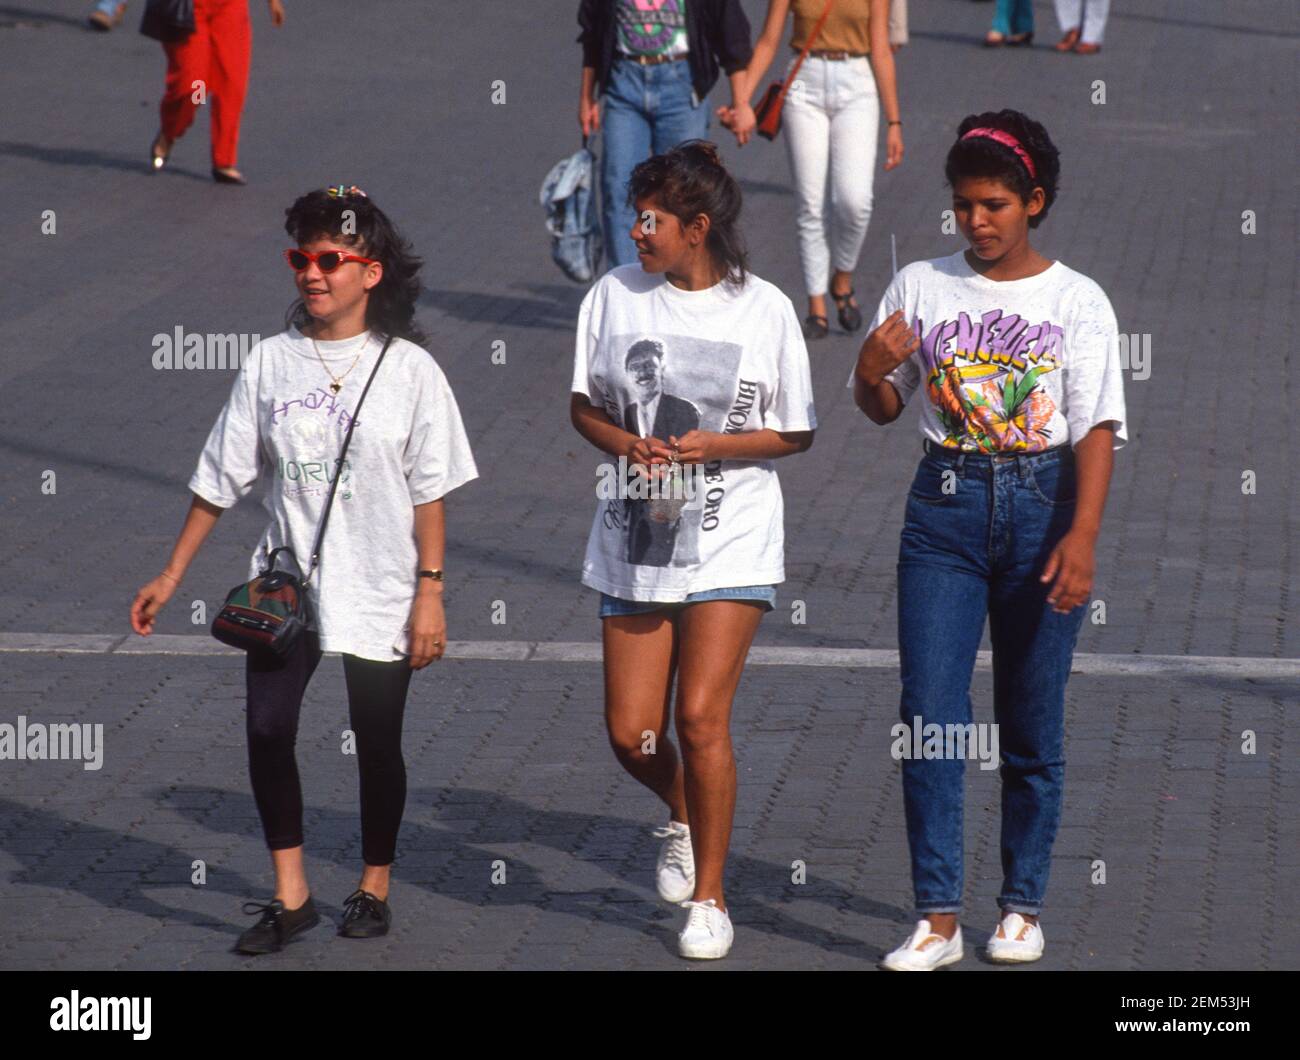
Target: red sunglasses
[{"x": 326, "y": 260}]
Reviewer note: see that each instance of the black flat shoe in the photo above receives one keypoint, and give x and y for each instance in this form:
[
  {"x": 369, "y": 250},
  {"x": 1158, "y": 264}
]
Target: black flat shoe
[
  {"x": 1022, "y": 40},
  {"x": 277, "y": 926},
  {"x": 226, "y": 176},
  {"x": 367, "y": 917},
  {"x": 815, "y": 327},
  {"x": 850, "y": 315}
]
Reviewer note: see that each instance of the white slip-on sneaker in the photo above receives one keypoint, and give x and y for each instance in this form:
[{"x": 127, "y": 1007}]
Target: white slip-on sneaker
[
  {"x": 675, "y": 869},
  {"x": 924, "y": 951},
  {"x": 708, "y": 933},
  {"x": 1015, "y": 940}
]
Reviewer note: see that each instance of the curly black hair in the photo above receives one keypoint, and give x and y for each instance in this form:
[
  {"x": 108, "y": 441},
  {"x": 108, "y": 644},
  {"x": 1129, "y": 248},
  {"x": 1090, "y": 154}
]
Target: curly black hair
[
  {"x": 391, "y": 306},
  {"x": 981, "y": 157},
  {"x": 690, "y": 180}
]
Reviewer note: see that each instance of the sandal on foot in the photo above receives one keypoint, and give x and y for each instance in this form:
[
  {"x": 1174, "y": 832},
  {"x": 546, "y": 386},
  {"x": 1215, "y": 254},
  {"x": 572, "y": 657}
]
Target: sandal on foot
[
  {"x": 1067, "y": 42},
  {"x": 849, "y": 314},
  {"x": 1086, "y": 49},
  {"x": 815, "y": 327}
]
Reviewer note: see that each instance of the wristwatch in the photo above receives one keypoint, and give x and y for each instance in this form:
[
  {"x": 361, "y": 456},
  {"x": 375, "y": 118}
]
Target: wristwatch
[{"x": 436, "y": 575}]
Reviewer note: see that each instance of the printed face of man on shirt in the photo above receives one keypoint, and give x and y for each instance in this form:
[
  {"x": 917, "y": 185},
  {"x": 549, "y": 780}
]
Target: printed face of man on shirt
[{"x": 644, "y": 364}]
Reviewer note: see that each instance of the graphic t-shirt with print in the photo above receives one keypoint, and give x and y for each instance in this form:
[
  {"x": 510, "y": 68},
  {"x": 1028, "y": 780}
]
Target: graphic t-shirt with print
[
  {"x": 652, "y": 27},
  {"x": 1010, "y": 365},
  {"x": 283, "y": 427},
  {"x": 662, "y": 361}
]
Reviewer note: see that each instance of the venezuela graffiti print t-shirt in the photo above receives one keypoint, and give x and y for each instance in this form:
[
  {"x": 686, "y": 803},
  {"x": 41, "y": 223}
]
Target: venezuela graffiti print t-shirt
[
  {"x": 282, "y": 425},
  {"x": 661, "y": 361},
  {"x": 1009, "y": 365}
]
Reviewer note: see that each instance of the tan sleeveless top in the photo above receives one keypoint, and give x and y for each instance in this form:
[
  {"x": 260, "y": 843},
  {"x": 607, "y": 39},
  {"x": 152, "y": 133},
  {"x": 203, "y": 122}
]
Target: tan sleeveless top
[{"x": 845, "y": 29}]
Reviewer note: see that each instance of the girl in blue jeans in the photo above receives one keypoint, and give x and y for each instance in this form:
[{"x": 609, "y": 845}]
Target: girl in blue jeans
[
  {"x": 652, "y": 63},
  {"x": 1024, "y": 405}
]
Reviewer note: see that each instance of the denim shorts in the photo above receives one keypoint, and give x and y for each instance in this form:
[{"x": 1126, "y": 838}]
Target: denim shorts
[{"x": 611, "y": 606}]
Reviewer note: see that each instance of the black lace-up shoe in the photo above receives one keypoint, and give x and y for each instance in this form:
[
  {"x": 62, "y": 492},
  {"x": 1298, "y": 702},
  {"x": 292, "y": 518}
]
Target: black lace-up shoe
[
  {"x": 366, "y": 916},
  {"x": 277, "y": 926}
]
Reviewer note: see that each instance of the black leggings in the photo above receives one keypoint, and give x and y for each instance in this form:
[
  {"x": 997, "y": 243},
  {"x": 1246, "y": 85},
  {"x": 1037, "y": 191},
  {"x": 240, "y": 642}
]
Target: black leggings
[{"x": 376, "y": 702}]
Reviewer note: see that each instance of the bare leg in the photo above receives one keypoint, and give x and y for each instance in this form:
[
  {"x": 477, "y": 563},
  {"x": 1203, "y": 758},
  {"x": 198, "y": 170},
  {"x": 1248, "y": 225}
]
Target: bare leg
[
  {"x": 640, "y": 662},
  {"x": 715, "y": 638}
]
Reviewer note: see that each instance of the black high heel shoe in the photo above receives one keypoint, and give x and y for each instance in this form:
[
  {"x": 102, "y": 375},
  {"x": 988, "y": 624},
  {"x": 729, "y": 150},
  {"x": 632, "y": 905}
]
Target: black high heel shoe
[{"x": 227, "y": 176}]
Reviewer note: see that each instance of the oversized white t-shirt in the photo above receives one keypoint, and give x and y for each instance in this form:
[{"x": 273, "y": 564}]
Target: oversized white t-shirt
[
  {"x": 1009, "y": 365},
  {"x": 660, "y": 360},
  {"x": 283, "y": 426}
]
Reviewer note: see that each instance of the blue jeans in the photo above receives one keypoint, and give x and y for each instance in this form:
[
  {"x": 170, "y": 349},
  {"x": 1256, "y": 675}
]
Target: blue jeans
[
  {"x": 1014, "y": 17},
  {"x": 648, "y": 110},
  {"x": 973, "y": 549},
  {"x": 611, "y": 606}
]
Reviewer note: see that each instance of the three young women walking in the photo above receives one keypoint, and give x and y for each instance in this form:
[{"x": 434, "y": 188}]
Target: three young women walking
[
  {"x": 1017, "y": 358},
  {"x": 692, "y": 374},
  {"x": 376, "y": 596}
]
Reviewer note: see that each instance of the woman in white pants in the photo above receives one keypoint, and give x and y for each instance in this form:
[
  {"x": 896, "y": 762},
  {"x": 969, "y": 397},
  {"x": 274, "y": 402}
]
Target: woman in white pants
[
  {"x": 1084, "y": 24},
  {"x": 830, "y": 124}
]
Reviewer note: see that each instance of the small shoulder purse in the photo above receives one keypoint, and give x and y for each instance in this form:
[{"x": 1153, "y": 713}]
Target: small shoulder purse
[
  {"x": 270, "y": 611},
  {"x": 767, "y": 114}
]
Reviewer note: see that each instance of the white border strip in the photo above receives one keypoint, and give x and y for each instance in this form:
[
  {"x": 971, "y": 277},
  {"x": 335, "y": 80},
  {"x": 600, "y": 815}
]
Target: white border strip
[{"x": 590, "y": 652}]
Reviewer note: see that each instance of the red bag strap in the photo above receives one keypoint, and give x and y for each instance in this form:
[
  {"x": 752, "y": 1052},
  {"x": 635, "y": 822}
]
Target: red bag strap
[{"x": 812, "y": 39}]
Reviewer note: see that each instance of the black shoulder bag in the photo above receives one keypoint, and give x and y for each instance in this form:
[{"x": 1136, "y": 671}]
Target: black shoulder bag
[{"x": 270, "y": 612}]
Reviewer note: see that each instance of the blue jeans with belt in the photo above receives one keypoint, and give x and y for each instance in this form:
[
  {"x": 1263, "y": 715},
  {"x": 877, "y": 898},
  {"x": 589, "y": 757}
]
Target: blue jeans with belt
[
  {"x": 648, "y": 110},
  {"x": 977, "y": 533}
]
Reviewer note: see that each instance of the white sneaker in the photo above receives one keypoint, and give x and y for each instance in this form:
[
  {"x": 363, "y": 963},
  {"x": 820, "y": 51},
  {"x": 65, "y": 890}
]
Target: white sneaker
[
  {"x": 708, "y": 933},
  {"x": 675, "y": 869},
  {"x": 915, "y": 955},
  {"x": 1020, "y": 940}
]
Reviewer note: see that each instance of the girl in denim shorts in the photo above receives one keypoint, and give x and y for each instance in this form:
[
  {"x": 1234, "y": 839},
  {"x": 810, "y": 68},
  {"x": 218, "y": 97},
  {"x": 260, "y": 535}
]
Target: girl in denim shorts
[{"x": 692, "y": 374}]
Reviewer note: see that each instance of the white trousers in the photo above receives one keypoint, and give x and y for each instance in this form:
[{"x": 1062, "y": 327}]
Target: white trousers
[
  {"x": 830, "y": 123},
  {"x": 1069, "y": 13}
]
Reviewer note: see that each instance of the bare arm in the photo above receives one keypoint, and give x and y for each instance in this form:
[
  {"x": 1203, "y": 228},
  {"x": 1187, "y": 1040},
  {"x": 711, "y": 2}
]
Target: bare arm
[
  {"x": 769, "y": 40},
  {"x": 588, "y": 104},
  {"x": 1072, "y": 563},
  {"x": 882, "y": 67},
  {"x": 151, "y": 597},
  {"x": 428, "y": 619},
  {"x": 884, "y": 350}
]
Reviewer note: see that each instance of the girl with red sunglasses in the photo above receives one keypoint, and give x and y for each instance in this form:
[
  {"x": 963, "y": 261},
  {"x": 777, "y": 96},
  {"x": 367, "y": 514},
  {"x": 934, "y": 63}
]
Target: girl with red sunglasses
[{"x": 377, "y": 594}]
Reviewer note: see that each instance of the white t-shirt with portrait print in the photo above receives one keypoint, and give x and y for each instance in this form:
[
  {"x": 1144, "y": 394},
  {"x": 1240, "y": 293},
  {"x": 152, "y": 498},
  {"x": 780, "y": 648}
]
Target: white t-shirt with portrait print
[
  {"x": 282, "y": 428},
  {"x": 659, "y": 360},
  {"x": 1007, "y": 365}
]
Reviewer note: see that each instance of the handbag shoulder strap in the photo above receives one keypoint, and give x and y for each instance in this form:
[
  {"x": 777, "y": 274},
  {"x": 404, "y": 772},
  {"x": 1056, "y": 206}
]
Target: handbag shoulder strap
[
  {"x": 808, "y": 44},
  {"x": 338, "y": 470}
]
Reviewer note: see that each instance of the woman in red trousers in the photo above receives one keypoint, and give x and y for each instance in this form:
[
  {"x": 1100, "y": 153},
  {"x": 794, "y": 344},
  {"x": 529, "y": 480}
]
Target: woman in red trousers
[{"x": 211, "y": 65}]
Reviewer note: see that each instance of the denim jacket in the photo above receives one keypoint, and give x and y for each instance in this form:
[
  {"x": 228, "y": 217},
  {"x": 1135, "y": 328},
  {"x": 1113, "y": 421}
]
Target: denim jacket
[
  {"x": 717, "y": 31},
  {"x": 569, "y": 197}
]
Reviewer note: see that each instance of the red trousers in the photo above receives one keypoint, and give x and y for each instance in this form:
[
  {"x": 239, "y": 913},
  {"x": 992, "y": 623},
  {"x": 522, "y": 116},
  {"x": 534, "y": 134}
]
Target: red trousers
[{"x": 212, "y": 63}]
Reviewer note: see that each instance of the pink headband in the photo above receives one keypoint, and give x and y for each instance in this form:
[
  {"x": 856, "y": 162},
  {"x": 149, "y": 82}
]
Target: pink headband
[{"x": 1007, "y": 140}]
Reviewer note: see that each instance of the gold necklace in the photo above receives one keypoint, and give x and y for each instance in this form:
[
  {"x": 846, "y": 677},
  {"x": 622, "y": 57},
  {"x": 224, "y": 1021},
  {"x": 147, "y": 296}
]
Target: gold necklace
[{"x": 336, "y": 383}]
